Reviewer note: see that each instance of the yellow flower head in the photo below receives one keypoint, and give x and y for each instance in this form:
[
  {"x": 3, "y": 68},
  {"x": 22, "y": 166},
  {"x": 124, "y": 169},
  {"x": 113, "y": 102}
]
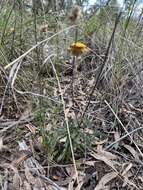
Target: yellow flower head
[{"x": 78, "y": 48}]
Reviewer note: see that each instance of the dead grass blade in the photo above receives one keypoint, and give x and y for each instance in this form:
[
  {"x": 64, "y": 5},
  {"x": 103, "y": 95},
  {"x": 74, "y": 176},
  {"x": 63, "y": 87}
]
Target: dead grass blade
[
  {"x": 106, "y": 157},
  {"x": 105, "y": 179},
  {"x": 124, "y": 127},
  {"x": 132, "y": 151},
  {"x": 2, "y": 146},
  {"x": 127, "y": 169},
  {"x": 34, "y": 47}
]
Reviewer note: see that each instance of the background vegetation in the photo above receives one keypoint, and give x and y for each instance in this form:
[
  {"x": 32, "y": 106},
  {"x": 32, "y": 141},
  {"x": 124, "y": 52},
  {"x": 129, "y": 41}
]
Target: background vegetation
[{"x": 65, "y": 130}]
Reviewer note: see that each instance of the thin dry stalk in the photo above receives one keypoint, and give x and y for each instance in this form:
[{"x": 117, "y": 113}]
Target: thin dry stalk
[
  {"x": 66, "y": 121},
  {"x": 123, "y": 137},
  {"x": 102, "y": 66},
  {"x": 34, "y": 47},
  {"x": 124, "y": 128}
]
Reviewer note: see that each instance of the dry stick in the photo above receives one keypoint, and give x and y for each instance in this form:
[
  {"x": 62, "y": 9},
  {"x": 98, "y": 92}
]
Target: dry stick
[
  {"x": 74, "y": 64},
  {"x": 124, "y": 128},
  {"x": 101, "y": 68},
  {"x": 123, "y": 137},
  {"x": 67, "y": 123}
]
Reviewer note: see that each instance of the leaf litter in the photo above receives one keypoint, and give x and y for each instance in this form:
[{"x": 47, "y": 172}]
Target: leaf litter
[{"x": 102, "y": 169}]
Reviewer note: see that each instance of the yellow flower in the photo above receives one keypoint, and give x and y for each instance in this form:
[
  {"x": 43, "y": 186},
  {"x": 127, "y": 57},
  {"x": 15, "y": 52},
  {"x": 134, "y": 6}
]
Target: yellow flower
[{"x": 78, "y": 48}]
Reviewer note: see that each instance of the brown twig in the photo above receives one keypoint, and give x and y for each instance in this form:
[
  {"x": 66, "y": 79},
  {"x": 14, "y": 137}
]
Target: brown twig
[{"x": 102, "y": 66}]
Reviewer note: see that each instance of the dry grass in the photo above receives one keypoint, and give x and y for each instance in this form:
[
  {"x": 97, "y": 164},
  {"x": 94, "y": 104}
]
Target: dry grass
[{"x": 53, "y": 136}]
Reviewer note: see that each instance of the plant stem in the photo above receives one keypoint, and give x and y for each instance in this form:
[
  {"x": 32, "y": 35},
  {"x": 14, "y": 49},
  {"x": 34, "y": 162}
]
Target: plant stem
[
  {"x": 74, "y": 73},
  {"x": 102, "y": 66}
]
